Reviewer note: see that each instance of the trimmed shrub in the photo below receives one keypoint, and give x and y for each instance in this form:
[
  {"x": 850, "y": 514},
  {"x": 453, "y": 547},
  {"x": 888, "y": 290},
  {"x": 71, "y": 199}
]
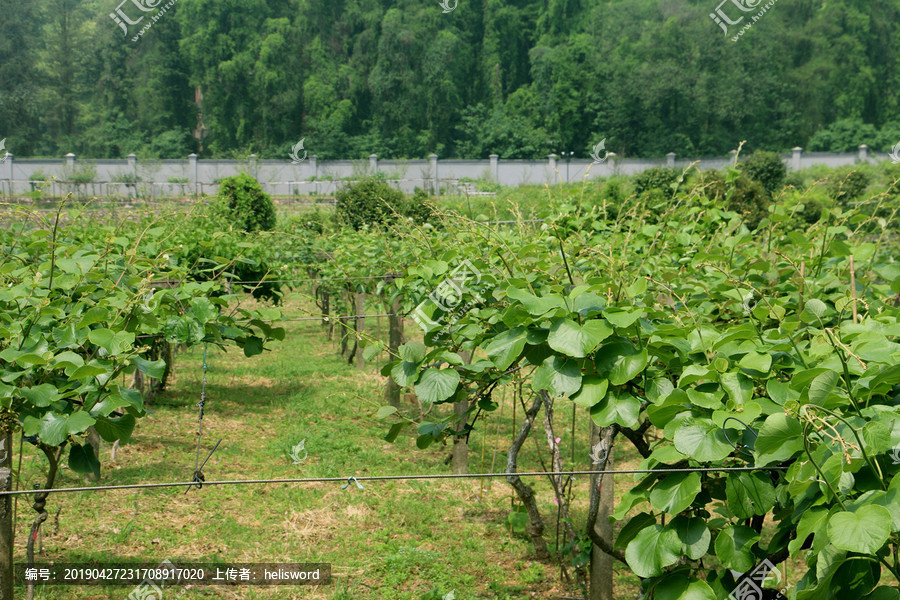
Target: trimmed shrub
[
  {"x": 767, "y": 168},
  {"x": 657, "y": 178},
  {"x": 373, "y": 202},
  {"x": 249, "y": 208}
]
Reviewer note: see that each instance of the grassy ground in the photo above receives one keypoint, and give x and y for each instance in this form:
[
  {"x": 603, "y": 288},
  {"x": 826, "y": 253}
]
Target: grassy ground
[{"x": 392, "y": 540}]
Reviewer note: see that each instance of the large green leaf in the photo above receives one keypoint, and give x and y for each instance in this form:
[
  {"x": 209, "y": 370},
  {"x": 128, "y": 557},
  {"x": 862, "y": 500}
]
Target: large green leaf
[
  {"x": 702, "y": 440},
  {"x": 733, "y": 547},
  {"x": 83, "y": 460},
  {"x": 864, "y": 531},
  {"x": 41, "y": 395},
  {"x": 616, "y": 407},
  {"x": 780, "y": 438},
  {"x": 79, "y": 421},
  {"x": 53, "y": 429},
  {"x": 558, "y": 375},
  {"x": 505, "y": 348},
  {"x": 570, "y": 338},
  {"x": 593, "y": 390},
  {"x": 112, "y": 342},
  {"x": 822, "y": 387},
  {"x": 113, "y": 429},
  {"x": 436, "y": 385},
  {"x": 652, "y": 549},
  {"x": 155, "y": 369},
  {"x": 677, "y": 587},
  {"x": 674, "y": 493},
  {"x": 749, "y": 494},
  {"x": 628, "y": 367},
  {"x": 694, "y": 535}
]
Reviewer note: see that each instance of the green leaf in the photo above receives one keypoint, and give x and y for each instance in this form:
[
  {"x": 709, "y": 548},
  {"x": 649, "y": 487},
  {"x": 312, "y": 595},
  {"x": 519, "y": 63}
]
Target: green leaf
[
  {"x": 620, "y": 317},
  {"x": 815, "y": 307},
  {"x": 203, "y": 310},
  {"x": 593, "y": 390},
  {"x": 111, "y": 341},
  {"x": 436, "y": 385},
  {"x": 83, "y": 460},
  {"x": 677, "y": 587},
  {"x": 749, "y": 494},
  {"x": 385, "y": 411},
  {"x": 88, "y": 371},
  {"x": 392, "y": 434},
  {"x": 570, "y": 338},
  {"x": 674, "y": 493},
  {"x": 628, "y": 367},
  {"x": 533, "y": 304},
  {"x": 557, "y": 375},
  {"x": 733, "y": 547},
  {"x": 702, "y": 440},
  {"x": 405, "y": 373},
  {"x": 252, "y": 346},
  {"x": 756, "y": 363},
  {"x": 652, "y": 549},
  {"x": 112, "y": 429},
  {"x": 42, "y": 395},
  {"x": 413, "y": 352},
  {"x": 822, "y": 387},
  {"x": 53, "y": 429},
  {"x": 864, "y": 531},
  {"x": 155, "y": 369},
  {"x": 505, "y": 348},
  {"x": 517, "y": 519},
  {"x": 738, "y": 387},
  {"x": 79, "y": 421},
  {"x": 780, "y": 438},
  {"x": 616, "y": 407},
  {"x": 186, "y": 330},
  {"x": 132, "y": 397},
  {"x": 694, "y": 535}
]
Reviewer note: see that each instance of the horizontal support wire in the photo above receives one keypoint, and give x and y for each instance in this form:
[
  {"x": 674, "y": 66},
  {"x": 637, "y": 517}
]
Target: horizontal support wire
[{"x": 135, "y": 486}]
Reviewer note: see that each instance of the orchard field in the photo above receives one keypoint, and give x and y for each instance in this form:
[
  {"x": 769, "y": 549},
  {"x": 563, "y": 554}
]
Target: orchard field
[{"x": 732, "y": 335}]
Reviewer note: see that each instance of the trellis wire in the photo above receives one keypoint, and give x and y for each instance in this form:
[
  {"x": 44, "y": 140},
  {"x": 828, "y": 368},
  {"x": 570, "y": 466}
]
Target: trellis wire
[{"x": 133, "y": 486}]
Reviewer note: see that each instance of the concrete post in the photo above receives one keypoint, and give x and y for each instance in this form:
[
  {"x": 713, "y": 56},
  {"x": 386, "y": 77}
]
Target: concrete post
[
  {"x": 435, "y": 180},
  {"x": 314, "y": 161},
  {"x": 613, "y": 165},
  {"x": 495, "y": 167},
  {"x": 70, "y": 161},
  {"x": 552, "y": 160},
  {"x": 670, "y": 160},
  {"x": 373, "y": 163},
  {"x": 863, "y": 153},
  {"x": 796, "y": 153},
  {"x": 132, "y": 166},
  {"x": 193, "y": 167},
  {"x": 8, "y": 158}
]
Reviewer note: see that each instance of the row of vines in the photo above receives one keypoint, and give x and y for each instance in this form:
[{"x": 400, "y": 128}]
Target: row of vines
[
  {"x": 703, "y": 327},
  {"x": 705, "y": 334}
]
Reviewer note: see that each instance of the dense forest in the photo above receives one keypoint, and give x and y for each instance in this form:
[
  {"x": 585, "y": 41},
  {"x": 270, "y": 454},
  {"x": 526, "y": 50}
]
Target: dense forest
[{"x": 404, "y": 78}]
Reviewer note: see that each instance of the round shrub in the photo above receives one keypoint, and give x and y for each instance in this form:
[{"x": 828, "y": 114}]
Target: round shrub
[
  {"x": 657, "y": 178},
  {"x": 374, "y": 202},
  {"x": 367, "y": 202},
  {"x": 248, "y": 206},
  {"x": 767, "y": 168}
]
